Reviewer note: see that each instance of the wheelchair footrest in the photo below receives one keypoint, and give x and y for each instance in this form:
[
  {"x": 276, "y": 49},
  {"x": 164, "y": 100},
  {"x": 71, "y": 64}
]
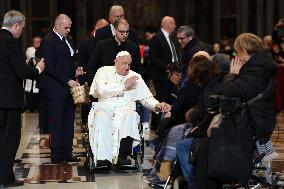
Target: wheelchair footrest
[{"x": 100, "y": 170}]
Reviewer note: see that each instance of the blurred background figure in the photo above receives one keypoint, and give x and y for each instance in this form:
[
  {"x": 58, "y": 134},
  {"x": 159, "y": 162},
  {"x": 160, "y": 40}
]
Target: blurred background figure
[
  {"x": 216, "y": 48},
  {"x": 30, "y": 53},
  {"x": 267, "y": 42},
  {"x": 31, "y": 88}
]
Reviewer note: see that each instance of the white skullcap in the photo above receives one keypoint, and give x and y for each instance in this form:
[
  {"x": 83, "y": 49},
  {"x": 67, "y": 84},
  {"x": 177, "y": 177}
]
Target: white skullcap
[{"x": 122, "y": 53}]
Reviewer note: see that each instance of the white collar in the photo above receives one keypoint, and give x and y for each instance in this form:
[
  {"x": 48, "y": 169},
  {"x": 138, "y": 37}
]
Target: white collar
[
  {"x": 5, "y": 28},
  {"x": 112, "y": 29},
  {"x": 58, "y": 35},
  {"x": 165, "y": 33}
]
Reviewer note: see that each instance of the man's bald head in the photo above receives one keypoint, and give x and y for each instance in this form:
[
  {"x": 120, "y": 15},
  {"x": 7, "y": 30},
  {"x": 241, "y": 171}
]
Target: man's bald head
[
  {"x": 62, "y": 25},
  {"x": 101, "y": 23},
  {"x": 168, "y": 24}
]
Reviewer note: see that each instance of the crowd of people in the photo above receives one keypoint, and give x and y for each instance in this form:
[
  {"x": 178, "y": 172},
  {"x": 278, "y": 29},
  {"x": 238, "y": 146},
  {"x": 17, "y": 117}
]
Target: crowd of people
[{"x": 173, "y": 74}]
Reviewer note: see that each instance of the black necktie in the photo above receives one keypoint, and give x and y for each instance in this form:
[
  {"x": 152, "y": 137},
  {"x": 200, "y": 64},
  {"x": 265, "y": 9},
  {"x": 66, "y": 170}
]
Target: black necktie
[
  {"x": 65, "y": 44},
  {"x": 173, "y": 50}
]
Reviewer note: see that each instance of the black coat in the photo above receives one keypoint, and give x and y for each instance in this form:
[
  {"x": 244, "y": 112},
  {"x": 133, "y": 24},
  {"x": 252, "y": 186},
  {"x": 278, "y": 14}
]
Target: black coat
[
  {"x": 160, "y": 56},
  {"x": 190, "y": 49},
  {"x": 60, "y": 66},
  {"x": 253, "y": 79},
  {"x": 213, "y": 87},
  {"x": 105, "y": 33},
  {"x": 187, "y": 98},
  {"x": 13, "y": 69},
  {"x": 105, "y": 53}
]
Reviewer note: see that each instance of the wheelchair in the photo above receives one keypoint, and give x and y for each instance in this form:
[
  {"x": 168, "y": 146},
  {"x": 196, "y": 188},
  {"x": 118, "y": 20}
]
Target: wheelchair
[{"x": 137, "y": 153}]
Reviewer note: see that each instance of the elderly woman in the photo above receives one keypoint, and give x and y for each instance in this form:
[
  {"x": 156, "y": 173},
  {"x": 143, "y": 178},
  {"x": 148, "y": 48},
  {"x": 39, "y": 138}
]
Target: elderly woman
[{"x": 251, "y": 73}]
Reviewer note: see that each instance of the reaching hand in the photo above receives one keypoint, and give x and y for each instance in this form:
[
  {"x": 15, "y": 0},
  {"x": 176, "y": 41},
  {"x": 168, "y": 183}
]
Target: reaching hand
[
  {"x": 80, "y": 71},
  {"x": 73, "y": 83},
  {"x": 130, "y": 82},
  {"x": 41, "y": 65}
]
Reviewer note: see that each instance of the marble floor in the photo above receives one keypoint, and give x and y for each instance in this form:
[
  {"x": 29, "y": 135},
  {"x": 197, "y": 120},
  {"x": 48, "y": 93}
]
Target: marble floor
[{"x": 34, "y": 153}]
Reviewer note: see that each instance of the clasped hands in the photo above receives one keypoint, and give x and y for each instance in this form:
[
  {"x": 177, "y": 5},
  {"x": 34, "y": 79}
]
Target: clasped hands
[{"x": 163, "y": 107}]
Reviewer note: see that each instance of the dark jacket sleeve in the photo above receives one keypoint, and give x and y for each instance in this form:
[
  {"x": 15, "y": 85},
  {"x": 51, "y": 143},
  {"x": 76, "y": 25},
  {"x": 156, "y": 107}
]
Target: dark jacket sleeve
[{"x": 21, "y": 68}]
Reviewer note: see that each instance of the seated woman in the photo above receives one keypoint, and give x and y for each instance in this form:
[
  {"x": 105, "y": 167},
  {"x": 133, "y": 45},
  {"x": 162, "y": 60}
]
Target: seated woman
[
  {"x": 251, "y": 73},
  {"x": 172, "y": 129},
  {"x": 209, "y": 76}
]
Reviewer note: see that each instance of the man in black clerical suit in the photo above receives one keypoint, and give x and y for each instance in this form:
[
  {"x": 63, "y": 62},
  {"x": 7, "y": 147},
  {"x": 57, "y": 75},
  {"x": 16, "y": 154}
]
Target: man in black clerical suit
[
  {"x": 13, "y": 69},
  {"x": 115, "y": 12},
  {"x": 61, "y": 73},
  {"x": 106, "y": 50}
]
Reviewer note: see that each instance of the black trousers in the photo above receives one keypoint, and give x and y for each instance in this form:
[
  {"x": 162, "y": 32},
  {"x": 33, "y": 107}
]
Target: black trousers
[
  {"x": 61, "y": 115},
  {"x": 10, "y": 135},
  {"x": 43, "y": 114}
]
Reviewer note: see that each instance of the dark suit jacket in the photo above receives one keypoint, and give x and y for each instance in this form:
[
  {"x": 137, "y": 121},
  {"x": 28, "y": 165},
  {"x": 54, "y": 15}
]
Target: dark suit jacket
[
  {"x": 105, "y": 53},
  {"x": 160, "y": 56},
  {"x": 86, "y": 49},
  {"x": 105, "y": 32},
  {"x": 13, "y": 69},
  {"x": 60, "y": 66}
]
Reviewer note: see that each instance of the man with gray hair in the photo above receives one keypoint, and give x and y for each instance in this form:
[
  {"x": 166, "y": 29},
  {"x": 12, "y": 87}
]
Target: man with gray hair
[
  {"x": 115, "y": 12},
  {"x": 190, "y": 44},
  {"x": 13, "y": 70}
]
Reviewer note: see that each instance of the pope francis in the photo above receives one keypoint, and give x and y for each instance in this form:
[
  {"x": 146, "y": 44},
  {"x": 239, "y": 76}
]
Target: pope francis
[{"x": 114, "y": 116}]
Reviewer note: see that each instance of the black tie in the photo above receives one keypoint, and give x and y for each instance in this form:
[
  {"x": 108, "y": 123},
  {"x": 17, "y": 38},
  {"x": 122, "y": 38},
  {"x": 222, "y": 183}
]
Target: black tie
[
  {"x": 173, "y": 50},
  {"x": 65, "y": 44}
]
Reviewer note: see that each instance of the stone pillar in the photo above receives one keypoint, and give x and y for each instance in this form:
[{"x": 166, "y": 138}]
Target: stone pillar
[
  {"x": 259, "y": 17},
  {"x": 281, "y": 9},
  {"x": 81, "y": 18},
  {"x": 242, "y": 16},
  {"x": 269, "y": 17},
  {"x": 216, "y": 20}
]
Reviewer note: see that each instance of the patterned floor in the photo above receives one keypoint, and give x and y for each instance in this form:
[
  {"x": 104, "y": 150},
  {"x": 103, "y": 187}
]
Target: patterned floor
[{"x": 36, "y": 167}]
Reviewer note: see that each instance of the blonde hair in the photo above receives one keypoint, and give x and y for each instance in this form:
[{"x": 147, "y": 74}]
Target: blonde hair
[{"x": 248, "y": 42}]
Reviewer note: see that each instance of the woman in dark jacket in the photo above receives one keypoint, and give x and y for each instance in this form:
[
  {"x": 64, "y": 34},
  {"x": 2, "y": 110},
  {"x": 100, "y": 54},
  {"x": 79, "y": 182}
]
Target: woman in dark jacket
[{"x": 251, "y": 73}]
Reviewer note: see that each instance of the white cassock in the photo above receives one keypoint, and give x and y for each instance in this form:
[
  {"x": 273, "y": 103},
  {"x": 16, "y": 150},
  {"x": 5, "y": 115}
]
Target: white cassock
[{"x": 114, "y": 116}]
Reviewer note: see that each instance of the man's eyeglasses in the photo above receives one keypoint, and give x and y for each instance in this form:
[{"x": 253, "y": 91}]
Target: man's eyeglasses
[
  {"x": 123, "y": 32},
  {"x": 181, "y": 38}
]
